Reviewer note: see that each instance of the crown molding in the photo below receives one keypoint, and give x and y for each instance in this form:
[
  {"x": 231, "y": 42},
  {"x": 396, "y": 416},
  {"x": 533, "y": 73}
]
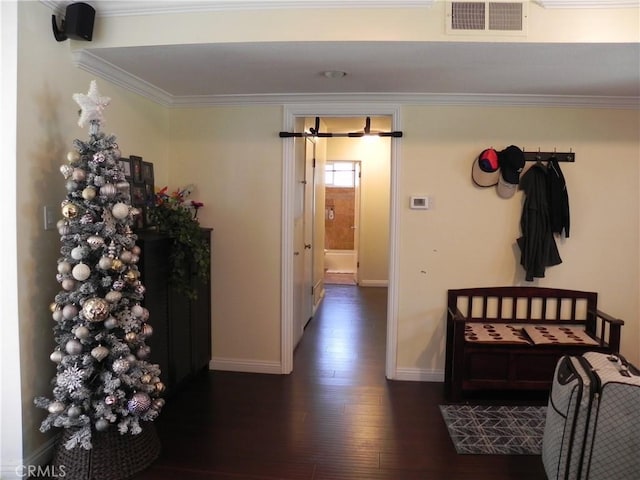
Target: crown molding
[
  {"x": 588, "y": 3},
  {"x": 116, "y": 75},
  {"x": 97, "y": 66},
  {"x": 123, "y": 8}
]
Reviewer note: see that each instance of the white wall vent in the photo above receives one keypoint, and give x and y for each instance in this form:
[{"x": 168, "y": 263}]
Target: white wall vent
[{"x": 494, "y": 17}]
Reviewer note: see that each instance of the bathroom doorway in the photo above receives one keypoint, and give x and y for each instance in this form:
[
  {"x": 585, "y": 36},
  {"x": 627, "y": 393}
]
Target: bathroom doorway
[{"x": 342, "y": 218}]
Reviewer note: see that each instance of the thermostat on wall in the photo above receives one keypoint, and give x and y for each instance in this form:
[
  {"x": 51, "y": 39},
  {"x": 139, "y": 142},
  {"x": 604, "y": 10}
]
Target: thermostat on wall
[{"x": 420, "y": 203}]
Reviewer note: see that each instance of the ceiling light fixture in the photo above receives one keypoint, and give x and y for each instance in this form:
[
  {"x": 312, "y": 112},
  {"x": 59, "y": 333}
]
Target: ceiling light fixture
[{"x": 334, "y": 73}]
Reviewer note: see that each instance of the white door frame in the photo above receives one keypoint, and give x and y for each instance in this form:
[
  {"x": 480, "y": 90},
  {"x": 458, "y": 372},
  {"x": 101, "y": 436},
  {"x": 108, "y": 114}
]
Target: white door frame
[{"x": 288, "y": 185}]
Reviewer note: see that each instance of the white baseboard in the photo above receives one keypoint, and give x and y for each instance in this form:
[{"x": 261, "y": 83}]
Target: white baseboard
[
  {"x": 373, "y": 283},
  {"x": 246, "y": 366},
  {"x": 419, "y": 375}
]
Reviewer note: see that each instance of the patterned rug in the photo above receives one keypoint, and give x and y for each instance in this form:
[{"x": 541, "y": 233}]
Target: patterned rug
[{"x": 494, "y": 430}]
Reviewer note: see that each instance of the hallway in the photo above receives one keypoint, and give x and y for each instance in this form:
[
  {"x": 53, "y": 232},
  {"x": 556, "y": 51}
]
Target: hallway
[{"x": 335, "y": 417}]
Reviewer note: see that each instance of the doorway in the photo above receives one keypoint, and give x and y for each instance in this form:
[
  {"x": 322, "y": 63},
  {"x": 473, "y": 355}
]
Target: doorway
[
  {"x": 341, "y": 222},
  {"x": 342, "y": 111}
]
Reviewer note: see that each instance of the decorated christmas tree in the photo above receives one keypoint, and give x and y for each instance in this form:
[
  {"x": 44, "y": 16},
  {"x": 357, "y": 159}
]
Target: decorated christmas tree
[{"x": 104, "y": 379}]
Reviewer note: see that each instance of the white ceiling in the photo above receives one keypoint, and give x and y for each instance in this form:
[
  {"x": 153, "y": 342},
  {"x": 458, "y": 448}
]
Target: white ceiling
[
  {"x": 458, "y": 72},
  {"x": 384, "y": 67}
]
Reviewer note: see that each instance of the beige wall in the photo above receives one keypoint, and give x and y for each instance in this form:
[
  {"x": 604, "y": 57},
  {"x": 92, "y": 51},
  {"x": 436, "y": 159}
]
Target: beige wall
[
  {"x": 375, "y": 157},
  {"x": 234, "y": 156},
  {"x": 467, "y": 239},
  {"x": 46, "y": 128}
]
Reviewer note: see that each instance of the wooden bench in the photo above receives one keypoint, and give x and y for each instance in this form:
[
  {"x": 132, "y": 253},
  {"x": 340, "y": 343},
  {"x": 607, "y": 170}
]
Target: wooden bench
[{"x": 510, "y": 338}]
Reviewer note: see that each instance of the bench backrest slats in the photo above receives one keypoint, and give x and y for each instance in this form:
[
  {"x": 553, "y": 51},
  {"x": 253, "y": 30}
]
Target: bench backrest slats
[{"x": 524, "y": 304}]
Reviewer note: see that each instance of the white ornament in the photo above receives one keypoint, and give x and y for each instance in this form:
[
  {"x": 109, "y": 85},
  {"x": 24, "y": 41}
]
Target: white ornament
[
  {"x": 75, "y": 412},
  {"x": 78, "y": 253},
  {"x": 120, "y": 210},
  {"x": 81, "y": 272},
  {"x": 92, "y": 104}
]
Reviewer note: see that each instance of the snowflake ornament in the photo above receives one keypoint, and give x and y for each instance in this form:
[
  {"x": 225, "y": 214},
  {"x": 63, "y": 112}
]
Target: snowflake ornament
[{"x": 71, "y": 378}]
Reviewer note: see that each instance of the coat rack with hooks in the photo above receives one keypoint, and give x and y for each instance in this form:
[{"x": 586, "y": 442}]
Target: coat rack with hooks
[{"x": 546, "y": 156}]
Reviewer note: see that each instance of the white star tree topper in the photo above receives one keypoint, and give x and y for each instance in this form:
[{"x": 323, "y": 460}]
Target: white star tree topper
[{"x": 92, "y": 104}]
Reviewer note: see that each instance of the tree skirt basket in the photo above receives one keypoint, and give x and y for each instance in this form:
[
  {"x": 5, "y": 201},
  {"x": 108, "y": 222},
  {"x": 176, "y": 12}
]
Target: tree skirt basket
[{"x": 113, "y": 456}]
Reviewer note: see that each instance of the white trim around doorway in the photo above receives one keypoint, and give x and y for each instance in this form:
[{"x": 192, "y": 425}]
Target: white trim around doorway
[{"x": 288, "y": 181}]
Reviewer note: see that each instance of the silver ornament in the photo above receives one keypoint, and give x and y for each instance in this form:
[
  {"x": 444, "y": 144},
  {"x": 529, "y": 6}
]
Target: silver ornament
[
  {"x": 82, "y": 332},
  {"x": 113, "y": 296},
  {"x": 64, "y": 267},
  {"x": 98, "y": 157},
  {"x": 66, "y": 171},
  {"x": 121, "y": 365},
  {"x": 100, "y": 353},
  {"x": 73, "y": 347},
  {"x": 73, "y": 156},
  {"x": 95, "y": 309},
  {"x": 139, "y": 403},
  {"x": 56, "y": 356},
  {"x": 56, "y": 407},
  {"x": 102, "y": 425},
  {"x": 126, "y": 256},
  {"x": 137, "y": 311},
  {"x": 64, "y": 230},
  {"x": 74, "y": 411},
  {"x": 79, "y": 174},
  {"x": 110, "y": 399},
  {"x": 89, "y": 193},
  {"x": 140, "y": 289},
  {"x": 98, "y": 181},
  {"x": 105, "y": 263},
  {"x": 143, "y": 352},
  {"x": 109, "y": 190},
  {"x": 68, "y": 284},
  {"x": 57, "y": 315},
  {"x": 118, "y": 285},
  {"x": 69, "y": 311},
  {"x": 110, "y": 323},
  {"x": 147, "y": 330},
  {"x": 95, "y": 242},
  {"x": 71, "y": 185}
]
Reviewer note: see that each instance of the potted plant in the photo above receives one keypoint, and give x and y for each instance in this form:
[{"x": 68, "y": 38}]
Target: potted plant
[{"x": 176, "y": 217}]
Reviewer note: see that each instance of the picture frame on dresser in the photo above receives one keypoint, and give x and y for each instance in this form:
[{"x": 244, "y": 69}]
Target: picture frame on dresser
[
  {"x": 125, "y": 166},
  {"x": 136, "y": 168},
  {"x": 147, "y": 173}
]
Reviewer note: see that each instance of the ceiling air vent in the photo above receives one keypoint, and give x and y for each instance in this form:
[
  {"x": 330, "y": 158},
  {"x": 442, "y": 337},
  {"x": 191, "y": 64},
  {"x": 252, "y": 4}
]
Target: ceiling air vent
[{"x": 497, "y": 17}]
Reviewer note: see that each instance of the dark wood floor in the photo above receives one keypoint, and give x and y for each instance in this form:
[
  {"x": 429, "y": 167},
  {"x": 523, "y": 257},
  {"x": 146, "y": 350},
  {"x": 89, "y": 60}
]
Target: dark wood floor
[{"x": 335, "y": 417}]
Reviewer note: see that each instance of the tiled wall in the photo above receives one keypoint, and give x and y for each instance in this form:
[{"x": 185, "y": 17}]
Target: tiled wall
[{"x": 339, "y": 230}]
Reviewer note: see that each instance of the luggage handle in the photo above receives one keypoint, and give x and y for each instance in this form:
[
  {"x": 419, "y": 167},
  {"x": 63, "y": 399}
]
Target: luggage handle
[{"x": 624, "y": 367}]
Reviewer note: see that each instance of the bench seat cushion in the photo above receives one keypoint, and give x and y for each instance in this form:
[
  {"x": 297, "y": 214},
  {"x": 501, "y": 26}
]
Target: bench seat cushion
[
  {"x": 494, "y": 333},
  {"x": 561, "y": 335}
]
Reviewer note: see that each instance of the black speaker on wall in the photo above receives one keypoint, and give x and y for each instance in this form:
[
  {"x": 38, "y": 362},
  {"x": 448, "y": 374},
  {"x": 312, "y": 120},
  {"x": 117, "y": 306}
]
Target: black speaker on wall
[{"x": 77, "y": 24}]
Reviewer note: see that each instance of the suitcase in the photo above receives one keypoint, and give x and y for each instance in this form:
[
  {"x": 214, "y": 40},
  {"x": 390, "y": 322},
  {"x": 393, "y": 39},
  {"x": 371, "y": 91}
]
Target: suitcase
[{"x": 592, "y": 430}]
